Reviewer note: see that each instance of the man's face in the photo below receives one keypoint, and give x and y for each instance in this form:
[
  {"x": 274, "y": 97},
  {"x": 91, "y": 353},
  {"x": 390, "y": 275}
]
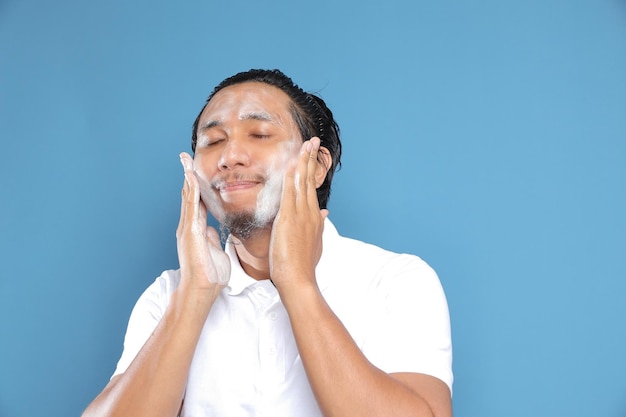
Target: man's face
[{"x": 246, "y": 137}]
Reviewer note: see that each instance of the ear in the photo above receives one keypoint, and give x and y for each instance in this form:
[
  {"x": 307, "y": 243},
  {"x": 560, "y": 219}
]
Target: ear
[{"x": 324, "y": 162}]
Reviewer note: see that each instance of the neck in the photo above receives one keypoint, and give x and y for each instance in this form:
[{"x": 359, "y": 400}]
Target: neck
[{"x": 253, "y": 253}]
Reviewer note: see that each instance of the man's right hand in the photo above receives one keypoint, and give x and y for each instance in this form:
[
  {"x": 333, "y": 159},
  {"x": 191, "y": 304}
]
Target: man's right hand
[
  {"x": 154, "y": 383},
  {"x": 203, "y": 263}
]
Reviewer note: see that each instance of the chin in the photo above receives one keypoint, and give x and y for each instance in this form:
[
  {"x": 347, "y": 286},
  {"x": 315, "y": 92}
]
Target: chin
[{"x": 245, "y": 224}]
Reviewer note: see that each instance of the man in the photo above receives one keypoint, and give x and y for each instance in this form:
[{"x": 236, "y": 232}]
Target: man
[{"x": 291, "y": 319}]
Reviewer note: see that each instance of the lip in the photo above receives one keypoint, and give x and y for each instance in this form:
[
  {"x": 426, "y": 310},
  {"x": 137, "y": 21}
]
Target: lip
[{"x": 232, "y": 186}]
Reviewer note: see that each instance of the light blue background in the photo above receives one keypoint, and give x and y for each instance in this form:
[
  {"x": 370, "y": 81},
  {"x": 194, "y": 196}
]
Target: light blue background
[{"x": 488, "y": 137}]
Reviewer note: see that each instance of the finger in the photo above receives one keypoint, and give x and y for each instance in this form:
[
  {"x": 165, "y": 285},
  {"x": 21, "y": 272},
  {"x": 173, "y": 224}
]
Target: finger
[
  {"x": 301, "y": 178},
  {"x": 311, "y": 190},
  {"x": 195, "y": 215},
  {"x": 213, "y": 237},
  {"x": 190, "y": 211},
  {"x": 201, "y": 212},
  {"x": 288, "y": 197},
  {"x": 183, "y": 205},
  {"x": 183, "y": 200}
]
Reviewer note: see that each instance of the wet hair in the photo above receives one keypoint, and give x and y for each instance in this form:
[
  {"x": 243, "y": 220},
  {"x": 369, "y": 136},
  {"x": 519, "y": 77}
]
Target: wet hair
[{"x": 309, "y": 112}]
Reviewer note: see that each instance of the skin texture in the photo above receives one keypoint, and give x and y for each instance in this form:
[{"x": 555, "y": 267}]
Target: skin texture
[{"x": 247, "y": 138}]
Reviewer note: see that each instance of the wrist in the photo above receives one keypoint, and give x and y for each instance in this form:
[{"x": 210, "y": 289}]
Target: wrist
[
  {"x": 294, "y": 293},
  {"x": 194, "y": 302}
]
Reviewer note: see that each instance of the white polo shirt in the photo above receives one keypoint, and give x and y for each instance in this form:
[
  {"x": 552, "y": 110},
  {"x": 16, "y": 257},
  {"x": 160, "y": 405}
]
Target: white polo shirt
[{"x": 247, "y": 362}]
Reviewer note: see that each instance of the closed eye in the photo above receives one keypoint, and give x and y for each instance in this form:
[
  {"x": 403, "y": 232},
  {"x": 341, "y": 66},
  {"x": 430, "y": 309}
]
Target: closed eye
[
  {"x": 258, "y": 136},
  {"x": 205, "y": 142}
]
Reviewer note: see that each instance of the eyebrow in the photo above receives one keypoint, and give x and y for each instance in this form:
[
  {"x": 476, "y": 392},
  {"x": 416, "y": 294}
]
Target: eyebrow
[
  {"x": 211, "y": 124},
  {"x": 262, "y": 116}
]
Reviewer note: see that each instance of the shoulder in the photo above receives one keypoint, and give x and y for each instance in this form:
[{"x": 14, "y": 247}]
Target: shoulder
[
  {"x": 157, "y": 295},
  {"x": 370, "y": 262}
]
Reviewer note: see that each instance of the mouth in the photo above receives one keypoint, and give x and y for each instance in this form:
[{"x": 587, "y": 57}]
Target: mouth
[
  {"x": 232, "y": 186},
  {"x": 238, "y": 183}
]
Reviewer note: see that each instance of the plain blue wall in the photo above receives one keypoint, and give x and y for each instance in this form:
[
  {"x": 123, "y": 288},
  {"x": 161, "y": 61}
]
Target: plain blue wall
[{"x": 487, "y": 137}]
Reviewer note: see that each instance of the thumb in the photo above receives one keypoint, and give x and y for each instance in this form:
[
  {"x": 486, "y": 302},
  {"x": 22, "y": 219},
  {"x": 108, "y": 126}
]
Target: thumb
[{"x": 213, "y": 237}]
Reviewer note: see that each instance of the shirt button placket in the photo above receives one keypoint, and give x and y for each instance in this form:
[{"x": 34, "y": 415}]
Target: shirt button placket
[{"x": 271, "y": 372}]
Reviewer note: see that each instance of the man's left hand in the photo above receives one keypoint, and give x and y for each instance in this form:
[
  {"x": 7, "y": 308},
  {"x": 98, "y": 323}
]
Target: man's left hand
[{"x": 296, "y": 242}]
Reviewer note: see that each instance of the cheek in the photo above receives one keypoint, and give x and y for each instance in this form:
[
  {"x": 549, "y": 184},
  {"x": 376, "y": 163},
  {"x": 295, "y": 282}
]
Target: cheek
[
  {"x": 200, "y": 171},
  {"x": 280, "y": 163},
  {"x": 207, "y": 193},
  {"x": 275, "y": 175},
  {"x": 289, "y": 154}
]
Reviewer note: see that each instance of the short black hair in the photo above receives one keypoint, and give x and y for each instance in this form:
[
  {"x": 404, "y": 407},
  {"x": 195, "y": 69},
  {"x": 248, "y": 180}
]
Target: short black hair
[{"x": 309, "y": 112}]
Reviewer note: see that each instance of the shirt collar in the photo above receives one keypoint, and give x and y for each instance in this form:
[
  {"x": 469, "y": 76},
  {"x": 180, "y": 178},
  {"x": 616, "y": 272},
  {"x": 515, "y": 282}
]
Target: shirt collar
[
  {"x": 330, "y": 251},
  {"x": 239, "y": 280}
]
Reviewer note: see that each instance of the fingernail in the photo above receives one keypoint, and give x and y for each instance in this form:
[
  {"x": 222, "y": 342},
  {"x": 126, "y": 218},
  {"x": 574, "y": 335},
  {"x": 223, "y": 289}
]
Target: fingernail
[{"x": 185, "y": 163}]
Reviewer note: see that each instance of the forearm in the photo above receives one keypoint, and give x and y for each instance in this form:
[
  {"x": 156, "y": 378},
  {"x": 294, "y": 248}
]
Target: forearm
[
  {"x": 154, "y": 384},
  {"x": 345, "y": 383}
]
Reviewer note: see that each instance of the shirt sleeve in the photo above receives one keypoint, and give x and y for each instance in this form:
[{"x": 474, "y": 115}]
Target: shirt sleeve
[
  {"x": 145, "y": 317},
  {"x": 411, "y": 330}
]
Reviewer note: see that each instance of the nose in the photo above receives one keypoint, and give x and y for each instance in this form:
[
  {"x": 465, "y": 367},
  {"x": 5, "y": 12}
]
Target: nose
[{"x": 234, "y": 154}]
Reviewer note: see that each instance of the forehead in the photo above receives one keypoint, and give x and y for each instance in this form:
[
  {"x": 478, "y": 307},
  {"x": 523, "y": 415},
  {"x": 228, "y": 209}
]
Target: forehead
[{"x": 241, "y": 100}]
